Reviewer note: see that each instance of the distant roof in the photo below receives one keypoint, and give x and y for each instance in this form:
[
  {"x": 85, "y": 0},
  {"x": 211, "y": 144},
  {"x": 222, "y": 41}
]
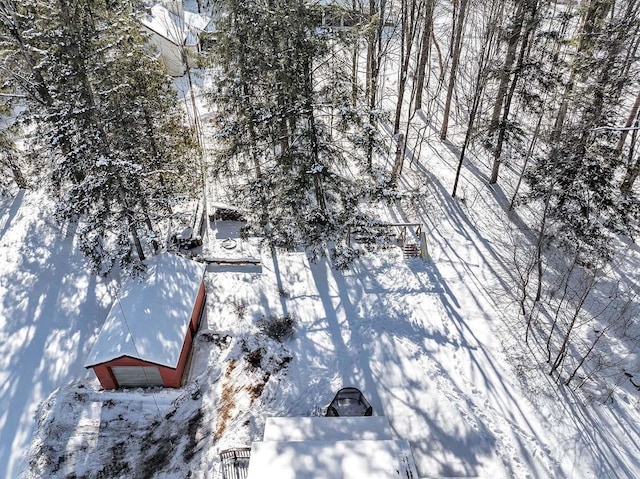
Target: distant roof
[
  {"x": 196, "y": 21},
  {"x": 177, "y": 29},
  {"x": 155, "y": 310}
]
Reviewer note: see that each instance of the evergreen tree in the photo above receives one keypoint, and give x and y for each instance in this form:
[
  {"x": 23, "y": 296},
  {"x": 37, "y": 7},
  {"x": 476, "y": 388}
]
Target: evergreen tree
[
  {"x": 269, "y": 120},
  {"x": 108, "y": 119},
  {"x": 580, "y": 172},
  {"x": 10, "y": 163}
]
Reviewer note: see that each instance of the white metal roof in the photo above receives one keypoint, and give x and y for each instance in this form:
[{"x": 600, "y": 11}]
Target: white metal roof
[
  {"x": 331, "y": 459},
  {"x": 330, "y": 447},
  {"x": 150, "y": 317}
]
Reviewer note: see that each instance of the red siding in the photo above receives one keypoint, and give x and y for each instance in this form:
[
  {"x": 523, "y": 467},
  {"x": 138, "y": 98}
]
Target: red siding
[
  {"x": 175, "y": 380},
  {"x": 197, "y": 308},
  {"x": 171, "y": 378},
  {"x": 105, "y": 376}
]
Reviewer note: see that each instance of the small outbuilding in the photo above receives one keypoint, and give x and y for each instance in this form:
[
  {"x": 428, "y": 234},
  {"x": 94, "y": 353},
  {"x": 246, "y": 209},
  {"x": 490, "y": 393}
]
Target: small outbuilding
[{"x": 147, "y": 337}]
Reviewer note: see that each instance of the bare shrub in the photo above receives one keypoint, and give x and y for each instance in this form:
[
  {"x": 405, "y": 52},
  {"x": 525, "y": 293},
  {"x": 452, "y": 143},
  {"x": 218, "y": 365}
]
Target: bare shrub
[
  {"x": 279, "y": 328},
  {"x": 240, "y": 309},
  {"x": 254, "y": 358}
]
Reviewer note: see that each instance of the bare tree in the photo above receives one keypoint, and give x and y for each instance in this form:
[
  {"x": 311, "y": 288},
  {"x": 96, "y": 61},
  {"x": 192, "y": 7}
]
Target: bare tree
[
  {"x": 411, "y": 11},
  {"x": 631, "y": 120},
  {"x": 425, "y": 52},
  {"x": 525, "y": 8},
  {"x": 457, "y": 47},
  {"x": 478, "y": 86},
  {"x": 375, "y": 53}
]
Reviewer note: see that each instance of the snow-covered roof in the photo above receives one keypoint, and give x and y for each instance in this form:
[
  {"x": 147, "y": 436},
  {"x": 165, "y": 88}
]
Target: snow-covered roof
[
  {"x": 345, "y": 447},
  {"x": 331, "y": 459},
  {"x": 179, "y": 29},
  {"x": 150, "y": 317},
  {"x": 196, "y": 21}
]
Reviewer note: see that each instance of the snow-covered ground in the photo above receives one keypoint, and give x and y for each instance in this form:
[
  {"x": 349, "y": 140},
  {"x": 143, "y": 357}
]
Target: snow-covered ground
[
  {"x": 423, "y": 341},
  {"x": 50, "y": 310}
]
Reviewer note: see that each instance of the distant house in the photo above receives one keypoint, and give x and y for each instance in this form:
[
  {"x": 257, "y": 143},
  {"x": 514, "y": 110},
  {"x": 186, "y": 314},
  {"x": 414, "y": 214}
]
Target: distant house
[
  {"x": 147, "y": 336},
  {"x": 175, "y": 33}
]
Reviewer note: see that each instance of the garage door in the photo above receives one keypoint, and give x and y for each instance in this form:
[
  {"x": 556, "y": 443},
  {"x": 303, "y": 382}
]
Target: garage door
[{"x": 137, "y": 376}]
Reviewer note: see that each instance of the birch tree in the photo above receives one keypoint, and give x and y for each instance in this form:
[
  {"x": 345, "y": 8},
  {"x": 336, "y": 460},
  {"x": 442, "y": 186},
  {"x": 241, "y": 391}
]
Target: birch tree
[{"x": 425, "y": 53}]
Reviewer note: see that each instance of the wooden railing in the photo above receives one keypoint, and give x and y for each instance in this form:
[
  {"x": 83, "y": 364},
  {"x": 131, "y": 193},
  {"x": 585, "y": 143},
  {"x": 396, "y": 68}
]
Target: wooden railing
[{"x": 235, "y": 462}]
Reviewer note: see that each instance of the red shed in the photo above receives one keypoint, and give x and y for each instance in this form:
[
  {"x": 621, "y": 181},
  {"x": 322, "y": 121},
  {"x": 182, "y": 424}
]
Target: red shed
[{"x": 147, "y": 336}]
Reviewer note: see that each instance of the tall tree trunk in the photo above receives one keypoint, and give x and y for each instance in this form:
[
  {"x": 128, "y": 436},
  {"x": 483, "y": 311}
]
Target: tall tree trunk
[
  {"x": 374, "y": 47},
  {"x": 558, "y": 124},
  {"x": 532, "y": 144},
  {"x": 540, "y": 246},
  {"x": 354, "y": 59},
  {"x": 630, "y": 121},
  {"x": 313, "y": 136},
  {"x": 16, "y": 172},
  {"x": 354, "y": 73},
  {"x": 425, "y": 53},
  {"x": 144, "y": 205},
  {"x": 480, "y": 83},
  {"x": 440, "y": 60},
  {"x": 409, "y": 29},
  {"x": 497, "y": 153},
  {"x": 129, "y": 215},
  {"x": 630, "y": 60},
  {"x": 404, "y": 55},
  {"x": 246, "y": 91},
  {"x": 285, "y": 122},
  {"x": 197, "y": 129},
  {"x": 631, "y": 175},
  {"x": 592, "y": 21},
  {"x": 399, "y": 159},
  {"x": 372, "y": 54},
  {"x": 136, "y": 238},
  {"x": 454, "y": 68},
  {"x": 513, "y": 39},
  {"x": 454, "y": 19}
]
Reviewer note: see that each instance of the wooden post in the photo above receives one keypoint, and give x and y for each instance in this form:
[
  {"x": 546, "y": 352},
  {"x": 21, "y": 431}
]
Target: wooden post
[{"x": 424, "y": 250}]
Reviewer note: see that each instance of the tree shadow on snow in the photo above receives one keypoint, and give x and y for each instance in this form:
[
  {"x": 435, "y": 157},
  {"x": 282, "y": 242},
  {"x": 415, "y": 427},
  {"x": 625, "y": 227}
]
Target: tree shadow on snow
[
  {"x": 11, "y": 214},
  {"x": 52, "y": 311},
  {"x": 366, "y": 340}
]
